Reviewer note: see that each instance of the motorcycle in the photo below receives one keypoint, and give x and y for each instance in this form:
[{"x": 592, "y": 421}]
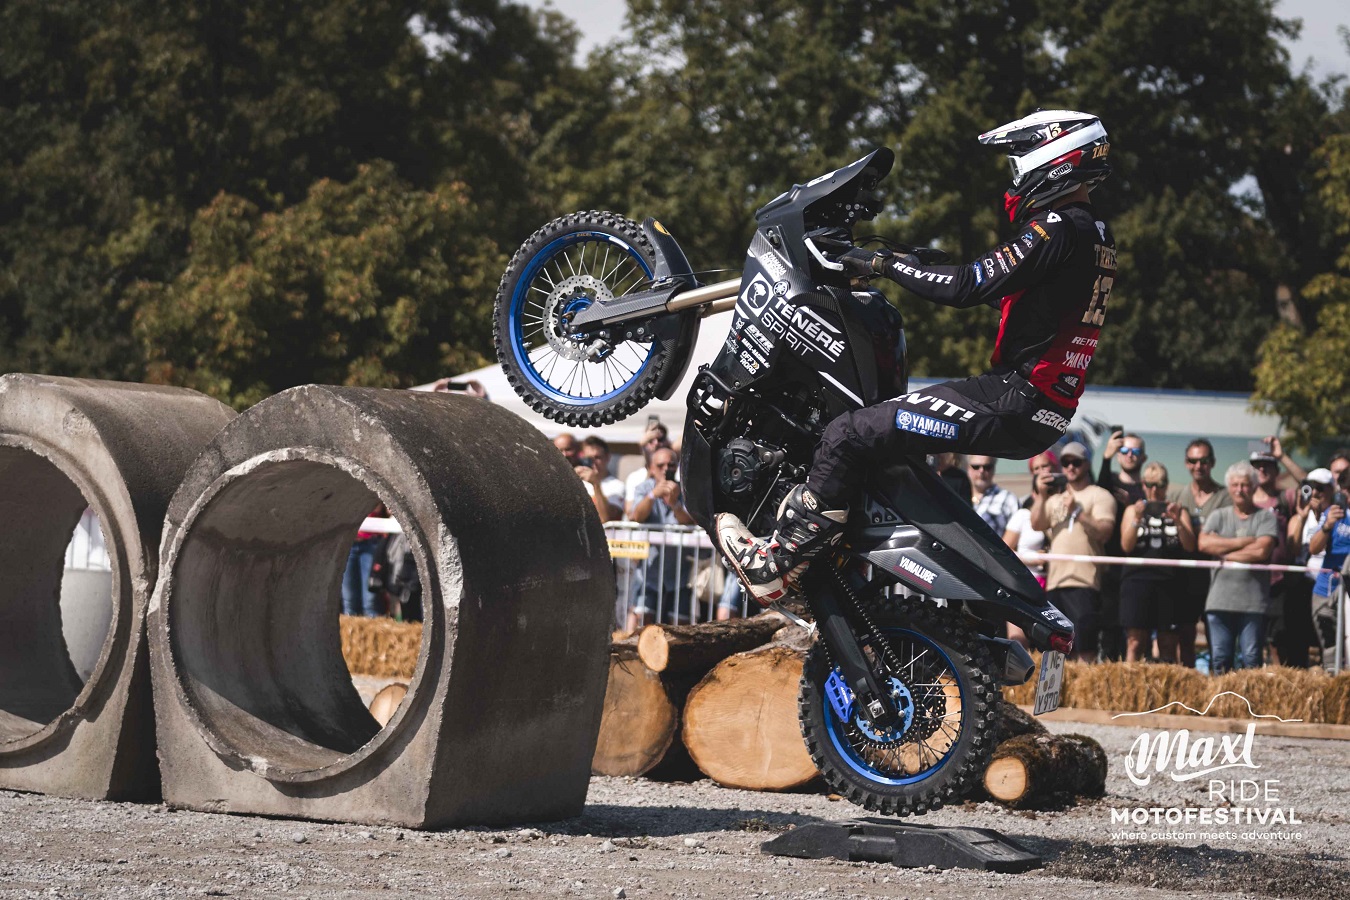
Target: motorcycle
[{"x": 596, "y": 315}]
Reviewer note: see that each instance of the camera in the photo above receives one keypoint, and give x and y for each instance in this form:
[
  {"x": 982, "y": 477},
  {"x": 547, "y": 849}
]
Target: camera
[
  {"x": 1338, "y": 499},
  {"x": 1305, "y": 493}
]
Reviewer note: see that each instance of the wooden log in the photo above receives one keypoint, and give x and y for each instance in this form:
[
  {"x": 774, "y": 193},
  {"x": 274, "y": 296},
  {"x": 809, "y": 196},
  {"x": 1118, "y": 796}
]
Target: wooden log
[
  {"x": 1041, "y": 770},
  {"x": 639, "y": 721},
  {"x": 384, "y": 704},
  {"x": 1014, "y": 721},
  {"x": 697, "y": 648},
  {"x": 740, "y": 722}
]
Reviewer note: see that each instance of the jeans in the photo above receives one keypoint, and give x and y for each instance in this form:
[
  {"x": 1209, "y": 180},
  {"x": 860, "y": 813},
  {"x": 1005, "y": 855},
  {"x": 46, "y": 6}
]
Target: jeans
[
  {"x": 1247, "y": 630},
  {"x": 357, "y": 597}
]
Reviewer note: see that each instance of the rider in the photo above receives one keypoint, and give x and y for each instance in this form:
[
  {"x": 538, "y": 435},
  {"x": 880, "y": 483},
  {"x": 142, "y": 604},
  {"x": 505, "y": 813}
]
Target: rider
[{"x": 1051, "y": 279}]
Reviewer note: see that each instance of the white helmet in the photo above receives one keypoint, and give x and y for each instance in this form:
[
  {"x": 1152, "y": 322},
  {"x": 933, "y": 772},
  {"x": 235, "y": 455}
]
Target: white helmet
[{"x": 1051, "y": 153}]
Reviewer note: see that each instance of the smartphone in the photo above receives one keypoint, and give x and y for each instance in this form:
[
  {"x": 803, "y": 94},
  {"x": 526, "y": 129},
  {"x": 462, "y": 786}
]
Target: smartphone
[
  {"x": 1338, "y": 499},
  {"x": 1058, "y": 482},
  {"x": 1115, "y": 428},
  {"x": 653, "y": 420},
  {"x": 1258, "y": 447},
  {"x": 457, "y": 386}
]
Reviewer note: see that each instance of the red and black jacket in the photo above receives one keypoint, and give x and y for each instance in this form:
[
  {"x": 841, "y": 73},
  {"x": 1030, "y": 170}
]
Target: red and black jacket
[{"x": 1052, "y": 281}]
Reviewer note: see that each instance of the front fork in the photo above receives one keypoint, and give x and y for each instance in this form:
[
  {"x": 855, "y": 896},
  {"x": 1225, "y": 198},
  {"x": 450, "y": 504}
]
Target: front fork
[{"x": 835, "y": 610}]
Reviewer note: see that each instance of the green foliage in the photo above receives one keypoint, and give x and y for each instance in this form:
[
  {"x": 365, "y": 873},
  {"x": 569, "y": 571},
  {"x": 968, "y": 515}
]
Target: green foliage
[
  {"x": 368, "y": 282},
  {"x": 123, "y": 121},
  {"x": 1303, "y": 377},
  {"x": 169, "y": 174}
]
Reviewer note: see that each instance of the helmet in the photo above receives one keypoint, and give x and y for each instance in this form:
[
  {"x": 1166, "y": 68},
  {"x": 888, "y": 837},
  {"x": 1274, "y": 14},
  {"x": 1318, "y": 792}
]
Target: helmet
[{"x": 1052, "y": 152}]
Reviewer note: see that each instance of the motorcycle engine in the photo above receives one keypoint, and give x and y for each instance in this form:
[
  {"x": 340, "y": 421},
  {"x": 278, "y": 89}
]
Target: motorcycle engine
[
  {"x": 738, "y": 469},
  {"x": 742, "y": 464}
]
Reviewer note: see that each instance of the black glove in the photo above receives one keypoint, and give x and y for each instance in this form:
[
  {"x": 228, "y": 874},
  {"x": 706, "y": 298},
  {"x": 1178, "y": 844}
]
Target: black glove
[{"x": 859, "y": 263}]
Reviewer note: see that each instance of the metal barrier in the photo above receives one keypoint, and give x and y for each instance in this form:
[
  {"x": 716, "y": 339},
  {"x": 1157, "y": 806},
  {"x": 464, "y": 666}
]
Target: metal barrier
[{"x": 670, "y": 574}]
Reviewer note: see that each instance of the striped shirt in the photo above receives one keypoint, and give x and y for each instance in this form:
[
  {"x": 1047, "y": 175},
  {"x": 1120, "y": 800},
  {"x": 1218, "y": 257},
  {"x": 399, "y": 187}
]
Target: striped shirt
[{"x": 996, "y": 507}]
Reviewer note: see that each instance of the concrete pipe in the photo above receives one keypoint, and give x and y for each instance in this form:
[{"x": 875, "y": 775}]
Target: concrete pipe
[
  {"x": 120, "y": 449},
  {"x": 255, "y": 708}
]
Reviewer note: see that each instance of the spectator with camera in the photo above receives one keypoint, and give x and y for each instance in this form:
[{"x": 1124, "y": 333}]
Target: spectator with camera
[
  {"x": 1127, "y": 487},
  {"x": 1239, "y": 600},
  {"x": 592, "y": 467},
  {"x": 1313, "y": 498},
  {"x": 1078, "y": 518},
  {"x": 654, "y": 437},
  {"x": 1150, "y": 596},
  {"x": 1332, "y": 539},
  {"x": 657, "y": 501}
]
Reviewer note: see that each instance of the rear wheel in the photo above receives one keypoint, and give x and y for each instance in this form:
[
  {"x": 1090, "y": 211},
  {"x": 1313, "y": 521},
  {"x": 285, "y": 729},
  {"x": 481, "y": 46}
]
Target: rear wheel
[
  {"x": 941, "y": 682},
  {"x": 563, "y": 268}
]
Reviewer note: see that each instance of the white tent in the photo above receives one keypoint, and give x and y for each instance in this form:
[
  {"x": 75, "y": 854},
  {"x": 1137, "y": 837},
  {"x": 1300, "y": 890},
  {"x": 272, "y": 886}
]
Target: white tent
[
  {"x": 1172, "y": 415},
  {"x": 629, "y": 431}
]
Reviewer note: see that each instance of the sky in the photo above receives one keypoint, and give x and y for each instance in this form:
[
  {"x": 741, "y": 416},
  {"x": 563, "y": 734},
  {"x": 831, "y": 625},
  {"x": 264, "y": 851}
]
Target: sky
[{"x": 602, "y": 20}]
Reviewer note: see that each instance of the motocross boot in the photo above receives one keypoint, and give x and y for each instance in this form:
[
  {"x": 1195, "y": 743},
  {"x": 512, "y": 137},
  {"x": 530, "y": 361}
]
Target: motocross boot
[{"x": 770, "y": 567}]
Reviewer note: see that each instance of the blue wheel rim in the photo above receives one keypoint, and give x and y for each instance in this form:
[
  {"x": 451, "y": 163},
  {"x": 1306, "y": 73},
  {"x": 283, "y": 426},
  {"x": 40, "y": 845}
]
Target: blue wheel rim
[
  {"x": 612, "y": 262},
  {"x": 933, "y": 761}
]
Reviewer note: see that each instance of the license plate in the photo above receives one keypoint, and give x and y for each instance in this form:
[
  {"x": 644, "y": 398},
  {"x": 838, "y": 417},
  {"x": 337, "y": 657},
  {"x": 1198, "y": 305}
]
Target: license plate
[{"x": 1049, "y": 682}]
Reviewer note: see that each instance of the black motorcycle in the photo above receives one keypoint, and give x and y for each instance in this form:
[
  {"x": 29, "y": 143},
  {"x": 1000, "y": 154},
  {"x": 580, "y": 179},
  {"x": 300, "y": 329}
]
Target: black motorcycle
[{"x": 596, "y": 315}]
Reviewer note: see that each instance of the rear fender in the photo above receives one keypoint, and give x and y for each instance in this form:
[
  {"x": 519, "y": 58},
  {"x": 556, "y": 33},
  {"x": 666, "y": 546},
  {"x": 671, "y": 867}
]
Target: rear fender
[
  {"x": 681, "y": 331},
  {"x": 931, "y": 540}
]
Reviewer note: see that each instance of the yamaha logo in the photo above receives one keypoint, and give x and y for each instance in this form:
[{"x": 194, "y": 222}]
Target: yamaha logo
[
  {"x": 1060, "y": 171},
  {"x": 904, "y": 419}
]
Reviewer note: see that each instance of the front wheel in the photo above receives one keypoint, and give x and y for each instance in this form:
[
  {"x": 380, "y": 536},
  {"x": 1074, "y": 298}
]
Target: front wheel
[
  {"x": 564, "y": 267},
  {"x": 941, "y": 682}
]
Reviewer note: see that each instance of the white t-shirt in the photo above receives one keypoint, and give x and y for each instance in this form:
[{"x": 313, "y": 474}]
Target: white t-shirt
[
  {"x": 612, "y": 488},
  {"x": 1029, "y": 540},
  {"x": 1310, "y": 525},
  {"x": 630, "y": 485}
]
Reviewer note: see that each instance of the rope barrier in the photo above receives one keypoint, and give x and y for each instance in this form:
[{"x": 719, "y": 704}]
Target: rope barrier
[{"x": 1168, "y": 563}]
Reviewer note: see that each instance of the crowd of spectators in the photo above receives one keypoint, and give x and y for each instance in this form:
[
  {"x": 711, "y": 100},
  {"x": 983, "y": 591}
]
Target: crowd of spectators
[{"x": 1267, "y": 510}]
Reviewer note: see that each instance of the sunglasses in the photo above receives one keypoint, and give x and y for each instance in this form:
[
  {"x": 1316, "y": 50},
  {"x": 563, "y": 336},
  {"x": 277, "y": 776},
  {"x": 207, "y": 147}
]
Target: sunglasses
[
  {"x": 1155, "y": 484},
  {"x": 1130, "y": 451},
  {"x": 1199, "y": 460},
  {"x": 982, "y": 466},
  {"x": 1070, "y": 461}
]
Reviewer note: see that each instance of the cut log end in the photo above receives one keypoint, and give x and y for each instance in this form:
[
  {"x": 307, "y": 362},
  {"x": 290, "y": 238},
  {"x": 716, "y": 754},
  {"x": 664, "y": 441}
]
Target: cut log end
[
  {"x": 740, "y": 722},
  {"x": 697, "y": 648},
  {"x": 1041, "y": 770},
  {"x": 639, "y": 720},
  {"x": 384, "y": 704}
]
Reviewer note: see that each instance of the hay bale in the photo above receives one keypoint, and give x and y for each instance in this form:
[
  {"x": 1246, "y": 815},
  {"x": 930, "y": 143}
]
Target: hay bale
[
  {"x": 380, "y": 646},
  {"x": 1307, "y": 694},
  {"x": 1336, "y": 699},
  {"x": 1272, "y": 691},
  {"x": 1136, "y": 687}
]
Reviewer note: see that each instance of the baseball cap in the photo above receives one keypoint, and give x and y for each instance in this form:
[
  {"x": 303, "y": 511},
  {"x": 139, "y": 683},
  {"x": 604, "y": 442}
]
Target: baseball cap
[
  {"x": 1073, "y": 448},
  {"x": 1258, "y": 456},
  {"x": 1321, "y": 477}
]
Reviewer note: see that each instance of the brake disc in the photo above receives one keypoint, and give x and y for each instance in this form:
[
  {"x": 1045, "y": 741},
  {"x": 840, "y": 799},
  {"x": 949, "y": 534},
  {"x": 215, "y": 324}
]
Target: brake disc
[{"x": 569, "y": 297}]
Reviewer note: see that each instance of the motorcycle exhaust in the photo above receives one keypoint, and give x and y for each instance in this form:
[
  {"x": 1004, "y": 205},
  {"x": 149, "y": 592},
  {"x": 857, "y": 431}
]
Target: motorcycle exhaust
[{"x": 715, "y": 298}]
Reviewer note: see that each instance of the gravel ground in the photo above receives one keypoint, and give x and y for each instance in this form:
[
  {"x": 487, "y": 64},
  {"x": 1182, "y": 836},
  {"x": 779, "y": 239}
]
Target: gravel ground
[{"x": 639, "y": 838}]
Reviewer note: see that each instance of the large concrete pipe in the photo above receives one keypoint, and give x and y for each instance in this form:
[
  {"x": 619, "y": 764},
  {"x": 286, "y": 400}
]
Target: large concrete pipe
[
  {"x": 120, "y": 449},
  {"x": 256, "y": 710}
]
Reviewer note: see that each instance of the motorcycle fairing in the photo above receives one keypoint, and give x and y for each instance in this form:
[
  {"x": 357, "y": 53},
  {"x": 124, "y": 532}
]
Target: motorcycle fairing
[
  {"x": 942, "y": 537},
  {"x": 784, "y": 218}
]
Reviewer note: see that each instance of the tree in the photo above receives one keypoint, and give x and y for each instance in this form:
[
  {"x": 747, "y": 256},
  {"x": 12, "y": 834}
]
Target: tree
[
  {"x": 120, "y": 120},
  {"x": 1303, "y": 376},
  {"x": 368, "y": 282}
]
